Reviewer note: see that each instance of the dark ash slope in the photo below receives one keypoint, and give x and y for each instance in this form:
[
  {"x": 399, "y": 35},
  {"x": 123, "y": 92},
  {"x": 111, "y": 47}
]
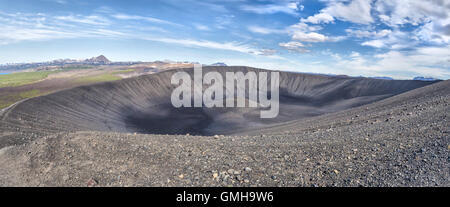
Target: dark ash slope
[
  {"x": 143, "y": 105},
  {"x": 399, "y": 141}
]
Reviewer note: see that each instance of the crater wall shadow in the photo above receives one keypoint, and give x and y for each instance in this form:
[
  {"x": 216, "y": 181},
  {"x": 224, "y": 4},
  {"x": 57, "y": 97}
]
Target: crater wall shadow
[{"x": 142, "y": 104}]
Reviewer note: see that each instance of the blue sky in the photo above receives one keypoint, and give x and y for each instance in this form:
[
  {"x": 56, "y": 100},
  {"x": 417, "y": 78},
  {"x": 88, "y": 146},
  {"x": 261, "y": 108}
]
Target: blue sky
[{"x": 401, "y": 39}]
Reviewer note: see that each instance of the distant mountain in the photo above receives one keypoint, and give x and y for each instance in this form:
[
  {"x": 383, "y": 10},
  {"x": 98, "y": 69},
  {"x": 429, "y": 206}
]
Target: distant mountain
[
  {"x": 420, "y": 78},
  {"x": 219, "y": 64},
  {"x": 383, "y": 78},
  {"x": 98, "y": 60}
]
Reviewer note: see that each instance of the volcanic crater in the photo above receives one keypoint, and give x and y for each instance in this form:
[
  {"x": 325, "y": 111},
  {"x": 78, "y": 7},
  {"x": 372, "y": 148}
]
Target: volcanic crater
[{"x": 142, "y": 104}]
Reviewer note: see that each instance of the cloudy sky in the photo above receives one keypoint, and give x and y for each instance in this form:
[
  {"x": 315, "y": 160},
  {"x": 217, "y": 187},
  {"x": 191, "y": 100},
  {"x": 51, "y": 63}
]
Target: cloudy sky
[{"x": 398, "y": 38}]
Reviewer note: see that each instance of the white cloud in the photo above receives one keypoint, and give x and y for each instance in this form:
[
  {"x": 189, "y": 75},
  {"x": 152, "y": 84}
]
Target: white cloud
[
  {"x": 12, "y": 34},
  {"x": 387, "y": 25},
  {"x": 368, "y": 34},
  {"x": 424, "y": 61},
  {"x": 306, "y": 33},
  {"x": 264, "y": 30},
  {"x": 395, "y": 39},
  {"x": 223, "y": 21},
  {"x": 357, "y": 11},
  {"x": 374, "y": 43},
  {"x": 384, "y": 18},
  {"x": 319, "y": 18},
  {"x": 432, "y": 56},
  {"x": 301, "y": 26},
  {"x": 291, "y": 8},
  {"x": 301, "y": 7},
  {"x": 336, "y": 38},
  {"x": 411, "y": 11},
  {"x": 149, "y": 19},
  {"x": 379, "y": 39},
  {"x": 268, "y": 52},
  {"x": 294, "y": 46},
  {"x": 93, "y": 20},
  {"x": 29, "y": 27},
  {"x": 434, "y": 32},
  {"x": 231, "y": 46},
  {"x": 293, "y": 5},
  {"x": 416, "y": 62},
  {"x": 309, "y": 37},
  {"x": 309, "y": 33},
  {"x": 202, "y": 27},
  {"x": 209, "y": 6},
  {"x": 431, "y": 17},
  {"x": 354, "y": 55},
  {"x": 17, "y": 27}
]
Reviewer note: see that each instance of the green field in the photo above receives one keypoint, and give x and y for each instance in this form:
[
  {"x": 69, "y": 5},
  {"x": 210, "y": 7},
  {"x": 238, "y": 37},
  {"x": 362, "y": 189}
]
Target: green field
[
  {"x": 97, "y": 78},
  {"x": 23, "y": 78},
  {"x": 13, "y": 98},
  {"x": 123, "y": 71}
]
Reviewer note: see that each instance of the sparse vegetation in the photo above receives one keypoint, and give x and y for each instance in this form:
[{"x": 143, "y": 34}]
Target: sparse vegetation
[
  {"x": 23, "y": 78},
  {"x": 77, "y": 67},
  {"x": 111, "y": 76},
  {"x": 123, "y": 71},
  {"x": 98, "y": 78},
  {"x": 13, "y": 98}
]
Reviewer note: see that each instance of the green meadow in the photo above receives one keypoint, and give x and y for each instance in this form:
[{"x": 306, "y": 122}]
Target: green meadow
[
  {"x": 23, "y": 78},
  {"x": 6, "y": 101}
]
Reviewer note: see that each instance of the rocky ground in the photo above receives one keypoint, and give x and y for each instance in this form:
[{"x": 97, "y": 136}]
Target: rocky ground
[{"x": 399, "y": 141}]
